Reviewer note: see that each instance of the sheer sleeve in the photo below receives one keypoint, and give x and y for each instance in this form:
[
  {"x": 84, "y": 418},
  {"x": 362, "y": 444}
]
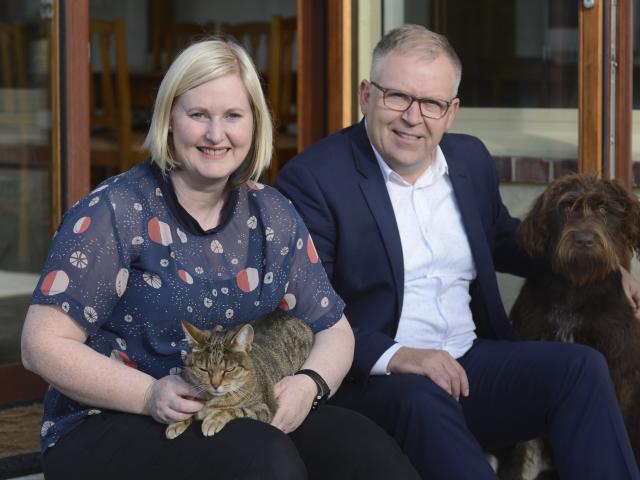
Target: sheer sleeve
[
  {"x": 87, "y": 268},
  {"x": 308, "y": 294}
]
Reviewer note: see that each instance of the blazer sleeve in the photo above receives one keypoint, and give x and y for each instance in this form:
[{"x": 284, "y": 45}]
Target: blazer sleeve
[{"x": 298, "y": 182}]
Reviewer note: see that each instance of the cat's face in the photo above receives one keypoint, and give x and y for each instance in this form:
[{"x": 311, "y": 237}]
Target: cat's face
[{"x": 219, "y": 363}]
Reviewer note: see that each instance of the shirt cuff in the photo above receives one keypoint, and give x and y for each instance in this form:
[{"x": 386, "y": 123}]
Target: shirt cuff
[{"x": 381, "y": 367}]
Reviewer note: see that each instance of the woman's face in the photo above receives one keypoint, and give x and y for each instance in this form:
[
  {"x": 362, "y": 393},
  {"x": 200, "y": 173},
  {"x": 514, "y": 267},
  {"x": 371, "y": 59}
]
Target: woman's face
[{"x": 212, "y": 128}]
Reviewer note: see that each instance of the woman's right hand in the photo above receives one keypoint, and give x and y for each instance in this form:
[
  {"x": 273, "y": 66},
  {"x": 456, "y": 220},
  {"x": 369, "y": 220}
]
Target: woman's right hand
[{"x": 170, "y": 399}]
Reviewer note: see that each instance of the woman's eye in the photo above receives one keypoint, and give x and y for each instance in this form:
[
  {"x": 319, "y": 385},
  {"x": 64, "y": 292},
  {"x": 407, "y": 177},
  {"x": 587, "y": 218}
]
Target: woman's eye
[
  {"x": 197, "y": 115},
  {"x": 233, "y": 115}
]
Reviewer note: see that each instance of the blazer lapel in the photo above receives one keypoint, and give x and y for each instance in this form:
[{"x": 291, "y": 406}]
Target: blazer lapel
[{"x": 375, "y": 193}]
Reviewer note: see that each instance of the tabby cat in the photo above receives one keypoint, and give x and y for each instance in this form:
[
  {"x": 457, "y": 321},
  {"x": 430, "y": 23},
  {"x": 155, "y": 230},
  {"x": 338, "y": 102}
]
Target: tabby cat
[{"x": 239, "y": 367}]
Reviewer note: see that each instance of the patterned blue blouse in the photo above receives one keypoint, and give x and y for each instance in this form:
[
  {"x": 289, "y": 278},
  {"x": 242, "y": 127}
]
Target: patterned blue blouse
[{"x": 128, "y": 263}]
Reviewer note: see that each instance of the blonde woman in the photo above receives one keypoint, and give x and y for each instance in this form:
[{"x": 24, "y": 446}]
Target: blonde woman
[{"x": 190, "y": 234}]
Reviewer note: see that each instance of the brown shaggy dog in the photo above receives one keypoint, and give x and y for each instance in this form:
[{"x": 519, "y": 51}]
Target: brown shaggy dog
[{"x": 578, "y": 233}]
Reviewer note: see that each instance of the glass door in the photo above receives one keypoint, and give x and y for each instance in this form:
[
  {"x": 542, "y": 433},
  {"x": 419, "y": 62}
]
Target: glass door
[{"x": 26, "y": 160}]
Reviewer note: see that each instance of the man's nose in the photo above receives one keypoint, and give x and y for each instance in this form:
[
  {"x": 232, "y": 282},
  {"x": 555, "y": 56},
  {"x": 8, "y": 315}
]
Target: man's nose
[{"x": 412, "y": 114}]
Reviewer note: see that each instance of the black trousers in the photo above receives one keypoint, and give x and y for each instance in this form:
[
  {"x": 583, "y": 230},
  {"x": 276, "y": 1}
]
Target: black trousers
[{"x": 332, "y": 443}]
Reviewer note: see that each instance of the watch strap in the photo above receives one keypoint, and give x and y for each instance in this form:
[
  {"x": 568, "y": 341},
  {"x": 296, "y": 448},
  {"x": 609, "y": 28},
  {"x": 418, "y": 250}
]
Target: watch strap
[{"x": 323, "y": 389}]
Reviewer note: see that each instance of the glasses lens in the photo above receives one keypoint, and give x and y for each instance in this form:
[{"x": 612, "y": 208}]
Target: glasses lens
[
  {"x": 433, "y": 108},
  {"x": 396, "y": 100}
]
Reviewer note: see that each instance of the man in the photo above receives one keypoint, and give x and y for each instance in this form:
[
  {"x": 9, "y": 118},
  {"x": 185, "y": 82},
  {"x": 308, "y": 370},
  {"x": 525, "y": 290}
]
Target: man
[{"x": 410, "y": 226}]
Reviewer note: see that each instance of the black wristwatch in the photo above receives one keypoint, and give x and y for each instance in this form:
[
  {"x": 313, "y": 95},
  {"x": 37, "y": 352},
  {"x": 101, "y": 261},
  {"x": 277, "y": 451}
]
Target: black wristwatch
[{"x": 323, "y": 389}]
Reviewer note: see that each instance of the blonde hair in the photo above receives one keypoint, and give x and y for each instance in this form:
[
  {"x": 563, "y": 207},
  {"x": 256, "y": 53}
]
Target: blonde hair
[
  {"x": 418, "y": 40},
  {"x": 198, "y": 64}
]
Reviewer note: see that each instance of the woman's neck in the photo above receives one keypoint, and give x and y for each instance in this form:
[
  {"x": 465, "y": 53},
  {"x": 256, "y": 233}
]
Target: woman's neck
[{"x": 204, "y": 204}]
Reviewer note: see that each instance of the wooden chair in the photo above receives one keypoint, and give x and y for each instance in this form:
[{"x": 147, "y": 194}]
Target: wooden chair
[
  {"x": 250, "y": 35},
  {"x": 114, "y": 145},
  {"x": 13, "y": 61},
  {"x": 281, "y": 91},
  {"x": 14, "y": 108},
  {"x": 170, "y": 39}
]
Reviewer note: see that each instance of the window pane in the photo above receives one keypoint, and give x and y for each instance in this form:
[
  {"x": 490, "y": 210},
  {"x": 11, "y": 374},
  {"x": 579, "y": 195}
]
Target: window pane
[{"x": 25, "y": 162}]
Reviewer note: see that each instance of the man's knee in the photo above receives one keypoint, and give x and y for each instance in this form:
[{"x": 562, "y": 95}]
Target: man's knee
[
  {"x": 585, "y": 364},
  {"x": 419, "y": 400}
]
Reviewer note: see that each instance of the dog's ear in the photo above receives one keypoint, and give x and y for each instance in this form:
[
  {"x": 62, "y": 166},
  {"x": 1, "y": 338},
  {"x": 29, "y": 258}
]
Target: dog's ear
[
  {"x": 630, "y": 205},
  {"x": 533, "y": 232}
]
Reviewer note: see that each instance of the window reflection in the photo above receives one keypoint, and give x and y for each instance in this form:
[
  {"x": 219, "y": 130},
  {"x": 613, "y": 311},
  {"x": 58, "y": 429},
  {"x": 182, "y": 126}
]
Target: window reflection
[{"x": 25, "y": 160}]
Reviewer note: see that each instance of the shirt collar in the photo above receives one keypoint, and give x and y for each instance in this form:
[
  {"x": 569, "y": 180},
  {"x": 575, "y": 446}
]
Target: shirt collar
[{"x": 431, "y": 175}]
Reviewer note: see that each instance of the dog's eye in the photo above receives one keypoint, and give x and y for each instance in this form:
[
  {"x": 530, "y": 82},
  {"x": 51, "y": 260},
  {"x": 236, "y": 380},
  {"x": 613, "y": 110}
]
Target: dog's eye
[{"x": 602, "y": 210}]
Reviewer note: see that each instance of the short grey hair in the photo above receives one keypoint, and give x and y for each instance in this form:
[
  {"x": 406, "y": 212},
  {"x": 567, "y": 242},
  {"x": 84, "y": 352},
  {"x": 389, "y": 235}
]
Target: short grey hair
[
  {"x": 201, "y": 62},
  {"x": 418, "y": 40}
]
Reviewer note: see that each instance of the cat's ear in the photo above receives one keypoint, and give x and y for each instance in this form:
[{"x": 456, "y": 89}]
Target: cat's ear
[
  {"x": 243, "y": 340},
  {"x": 195, "y": 336}
]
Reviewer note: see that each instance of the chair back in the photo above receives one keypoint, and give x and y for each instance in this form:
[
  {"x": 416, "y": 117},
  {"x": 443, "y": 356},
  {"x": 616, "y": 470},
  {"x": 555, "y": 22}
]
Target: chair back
[
  {"x": 110, "y": 101},
  {"x": 12, "y": 56},
  {"x": 250, "y": 35},
  {"x": 169, "y": 40},
  {"x": 281, "y": 94},
  {"x": 13, "y": 73}
]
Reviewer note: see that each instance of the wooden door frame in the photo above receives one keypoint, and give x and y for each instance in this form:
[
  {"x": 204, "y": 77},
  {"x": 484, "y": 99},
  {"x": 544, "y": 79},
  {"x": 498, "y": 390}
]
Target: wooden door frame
[
  {"x": 590, "y": 88},
  {"x": 623, "y": 62},
  {"x": 596, "y": 57},
  {"x": 68, "y": 183}
]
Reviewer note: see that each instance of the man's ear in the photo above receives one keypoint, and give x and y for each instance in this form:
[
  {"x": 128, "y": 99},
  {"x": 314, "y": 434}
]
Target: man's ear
[
  {"x": 364, "y": 96},
  {"x": 451, "y": 113}
]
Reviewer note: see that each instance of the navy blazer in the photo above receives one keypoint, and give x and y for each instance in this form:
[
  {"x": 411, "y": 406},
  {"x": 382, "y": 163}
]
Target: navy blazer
[{"x": 339, "y": 190}]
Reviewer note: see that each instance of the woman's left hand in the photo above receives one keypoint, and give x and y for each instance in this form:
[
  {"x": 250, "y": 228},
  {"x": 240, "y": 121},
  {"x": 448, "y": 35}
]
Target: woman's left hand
[{"x": 295, "y": 396}]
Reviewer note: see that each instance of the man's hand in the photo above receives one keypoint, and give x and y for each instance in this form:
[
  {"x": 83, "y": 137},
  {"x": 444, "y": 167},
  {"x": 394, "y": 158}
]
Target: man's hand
[
  {"x": 632, "y": 290},
  {"x": 295, "y": 396},
  {"x": 437, "y": 365}
]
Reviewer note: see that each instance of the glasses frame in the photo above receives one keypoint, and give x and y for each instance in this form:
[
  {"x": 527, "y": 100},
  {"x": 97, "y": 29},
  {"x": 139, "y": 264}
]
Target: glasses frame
[{"x": 384, "y": 91}]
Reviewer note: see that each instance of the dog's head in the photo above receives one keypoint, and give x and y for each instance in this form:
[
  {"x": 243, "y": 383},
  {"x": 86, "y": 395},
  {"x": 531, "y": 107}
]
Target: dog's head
[{"x": 585, "y": 227}]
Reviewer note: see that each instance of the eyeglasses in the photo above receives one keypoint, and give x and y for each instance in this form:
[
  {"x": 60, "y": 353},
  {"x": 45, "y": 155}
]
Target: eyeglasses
[{"x": 401, "y": 102}]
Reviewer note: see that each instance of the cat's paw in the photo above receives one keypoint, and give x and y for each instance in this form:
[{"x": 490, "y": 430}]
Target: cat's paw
[
  {"x": 213, "y": 424},
  {"x": 176, "y": 429}
]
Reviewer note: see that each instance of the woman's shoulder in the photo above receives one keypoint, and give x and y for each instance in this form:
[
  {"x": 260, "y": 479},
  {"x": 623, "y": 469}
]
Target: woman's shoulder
[
  {"x": 132, "y": 190},
  {"x": 266, "y": 196}
]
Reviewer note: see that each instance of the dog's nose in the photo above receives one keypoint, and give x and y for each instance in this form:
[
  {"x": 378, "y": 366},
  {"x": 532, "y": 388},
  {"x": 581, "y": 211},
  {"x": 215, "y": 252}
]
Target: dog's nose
[{"x": 583, "y": 239}]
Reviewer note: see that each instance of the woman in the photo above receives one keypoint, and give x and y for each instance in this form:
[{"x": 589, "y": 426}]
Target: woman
[{"x": 188, "y": 235}]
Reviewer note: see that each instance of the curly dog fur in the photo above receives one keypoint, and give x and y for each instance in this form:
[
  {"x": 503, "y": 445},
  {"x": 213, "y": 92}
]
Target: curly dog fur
[{"x": 578, "y": 233}]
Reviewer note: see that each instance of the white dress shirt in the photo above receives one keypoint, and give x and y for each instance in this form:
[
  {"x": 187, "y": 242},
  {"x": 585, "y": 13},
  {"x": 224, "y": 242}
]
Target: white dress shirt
[{"x": 438, "y": 266}]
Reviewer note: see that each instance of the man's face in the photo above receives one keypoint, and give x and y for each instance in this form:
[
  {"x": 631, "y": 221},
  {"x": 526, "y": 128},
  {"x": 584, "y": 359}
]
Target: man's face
[{"x": 406, "y": 140}]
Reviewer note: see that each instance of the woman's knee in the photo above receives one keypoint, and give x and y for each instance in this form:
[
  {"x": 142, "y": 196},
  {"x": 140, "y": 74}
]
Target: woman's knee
[{"x": 271, "y": 453}]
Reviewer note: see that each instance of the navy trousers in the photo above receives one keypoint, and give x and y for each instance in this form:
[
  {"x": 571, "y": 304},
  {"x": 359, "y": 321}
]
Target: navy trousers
[{"x": 518, "y": 391}]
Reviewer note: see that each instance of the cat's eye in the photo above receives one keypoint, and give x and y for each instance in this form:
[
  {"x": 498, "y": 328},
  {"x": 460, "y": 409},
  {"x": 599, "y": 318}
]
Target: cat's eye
[{"x": 229, "y": 367}]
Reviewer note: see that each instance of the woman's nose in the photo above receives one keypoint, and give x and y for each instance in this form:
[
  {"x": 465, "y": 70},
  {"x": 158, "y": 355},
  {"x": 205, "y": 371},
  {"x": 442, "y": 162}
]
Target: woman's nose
[{"x": 215, "y": 132}]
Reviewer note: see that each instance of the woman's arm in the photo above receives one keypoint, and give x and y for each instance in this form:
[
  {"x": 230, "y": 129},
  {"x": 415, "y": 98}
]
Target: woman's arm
[
  {"x": 332, "y": 353},
  {"x": 331, "y": 357},
  {"x": 53, "y": 347}
]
